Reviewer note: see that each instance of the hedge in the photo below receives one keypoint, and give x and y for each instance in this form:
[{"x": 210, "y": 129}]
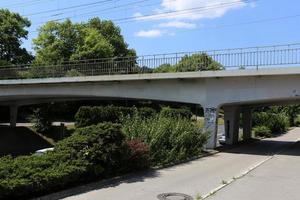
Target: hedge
[
  {"x": 87, "y": 116},
  {"x": 89, "y": 154},
  {"x": 176, "y": 112}
]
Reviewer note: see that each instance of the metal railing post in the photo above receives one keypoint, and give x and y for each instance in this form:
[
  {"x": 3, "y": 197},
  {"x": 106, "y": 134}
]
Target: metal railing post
[{"x": 257, "y": 49}]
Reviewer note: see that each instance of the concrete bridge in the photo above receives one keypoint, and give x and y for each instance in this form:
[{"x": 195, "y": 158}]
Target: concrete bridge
[{"x": 234, "y": 91}]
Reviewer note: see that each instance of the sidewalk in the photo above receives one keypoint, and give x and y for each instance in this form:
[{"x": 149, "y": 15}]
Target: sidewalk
[{"x": 196, "y": 177}]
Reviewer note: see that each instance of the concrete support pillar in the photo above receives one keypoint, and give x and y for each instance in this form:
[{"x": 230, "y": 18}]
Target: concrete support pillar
[
  {"x": 13, "y": 115},
  {"x": 211, "y": 126},
  {"x": 247, "y": 124},
  {"x": 231, "y": 123}
]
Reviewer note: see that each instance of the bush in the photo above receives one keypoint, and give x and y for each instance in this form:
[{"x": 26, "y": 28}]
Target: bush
[
  {"x": 25, "y": 176},
  {"x": 87, "y": 116},
  {"x": 170, "y": 139},
  {"x": 139, "y": 155},
  {"x": 146, "y": 112},
  {"x": 73, "y": 73},
  {"x": 277, "y": 123},
  {"x": 41, "y": 119},
  {"x": 262, "y": 131},
  {"x": 90, "y": 153},
  {"x": 176, "y": 112}
]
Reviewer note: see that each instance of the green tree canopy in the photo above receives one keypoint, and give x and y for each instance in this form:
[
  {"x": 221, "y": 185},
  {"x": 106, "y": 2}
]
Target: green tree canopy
[
  {"x": 291, "y": 111},
  {"x": 94, "y": 44},
  {"x": 64, "y": 41},
  {"x": 13, "y": 30},
  {"x": 164, "y": 68},
  {"x": 195, "y": 62}
]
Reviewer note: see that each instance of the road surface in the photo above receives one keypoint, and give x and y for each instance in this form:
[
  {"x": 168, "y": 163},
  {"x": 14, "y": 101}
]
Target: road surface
[
  {"x": 276, "y": 179},
  {"x": 202, "y": 176}
]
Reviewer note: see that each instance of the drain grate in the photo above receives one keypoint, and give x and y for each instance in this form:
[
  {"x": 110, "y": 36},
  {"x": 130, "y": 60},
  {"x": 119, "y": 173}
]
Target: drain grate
[{"x": 174, "y": 196}]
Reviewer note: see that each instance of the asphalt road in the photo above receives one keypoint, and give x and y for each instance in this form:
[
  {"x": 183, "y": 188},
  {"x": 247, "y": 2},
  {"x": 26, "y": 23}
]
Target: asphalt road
[{"x": 203, "y": 175}]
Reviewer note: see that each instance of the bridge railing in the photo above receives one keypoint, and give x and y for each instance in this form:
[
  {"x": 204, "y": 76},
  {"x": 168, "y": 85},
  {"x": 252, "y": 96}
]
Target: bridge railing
[{"x": 241, "y": 58}]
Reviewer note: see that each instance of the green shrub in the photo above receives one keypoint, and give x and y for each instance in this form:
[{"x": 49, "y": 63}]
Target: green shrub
[
  {"x": 277, "y": 123},
  {"x": 262, "y": 131},
  {"x": 25, "y": 75},
  {"x": 90, "y": 153},
  {"x": 101, "y": 144},
  {"x": 73, "y": 73},
  {"x": 41, "y": 119},
  {"x": 170, "y": 139},
  {"x": 36, "y": 71},
  {"x": 87, "y": 116},
  {"x": 164, "y": 68},
  {"x": 125, "y": 111},
  {"x": 146, "y": 112},
  {"x": 176, "y": 112},
  {"x": 35, "y": 175},
  {"x": 197, "y": 62}
]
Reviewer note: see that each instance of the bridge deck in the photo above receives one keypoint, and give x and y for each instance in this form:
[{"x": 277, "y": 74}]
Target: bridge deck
[{"x": 159, "y": 76}]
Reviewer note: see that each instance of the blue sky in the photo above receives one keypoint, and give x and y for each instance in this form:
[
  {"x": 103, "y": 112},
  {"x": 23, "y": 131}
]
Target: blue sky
[{"x": 163, "y": 26}]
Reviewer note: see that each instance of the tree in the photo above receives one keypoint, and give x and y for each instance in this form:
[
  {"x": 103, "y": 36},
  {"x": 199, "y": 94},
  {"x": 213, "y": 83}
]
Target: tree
[
  {"x": 291, "y": 112},
  {"x": 94, "y": 44},
  {"x": 64, "y": 41},
  {"x": 113, "y": 34},
  {"x": 198, "y": 62},
  {"x": 13, "y": 30},
  {"x": 195, "y": 62},
  {"x": 165, "y": 68},
  {"x": 57, "y": 42}
]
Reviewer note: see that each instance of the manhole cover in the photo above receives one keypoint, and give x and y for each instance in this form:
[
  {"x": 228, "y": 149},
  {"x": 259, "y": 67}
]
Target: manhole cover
[{"x": 174, "y": 196}]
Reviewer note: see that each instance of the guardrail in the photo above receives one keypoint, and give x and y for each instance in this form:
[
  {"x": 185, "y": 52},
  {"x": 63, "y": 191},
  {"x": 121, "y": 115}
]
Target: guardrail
[{"x": 240, "y": 58}]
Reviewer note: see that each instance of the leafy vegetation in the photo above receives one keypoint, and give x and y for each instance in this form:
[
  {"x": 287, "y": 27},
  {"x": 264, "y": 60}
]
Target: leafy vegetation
[
  {"x": 65, "y": 41},
  {"x": 41, "y": 119},
  {"x": 195, "y": 62},
  {"x": 90, "y": 153},
  {"x": 170, "y": 139},
  {"x": 176, "y": 112},
  {"x": 13, "y": 31},
  {"x": 93, "y": 115},
  {"x": 277, "y": 123},
  {"x": 262, "y": 131},
  {"x": 290, "y": 111}
]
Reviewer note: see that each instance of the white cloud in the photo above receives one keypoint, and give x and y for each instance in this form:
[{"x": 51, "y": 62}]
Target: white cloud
[
  {"x": 178, "y": 24},
  {"x": 138, "y": 14},
  {"x": 150, "y": 33},
  {"x": 183, "y": 14},
  {"x": 193, "y": 9},
  {"x": 154, "y": 33}
]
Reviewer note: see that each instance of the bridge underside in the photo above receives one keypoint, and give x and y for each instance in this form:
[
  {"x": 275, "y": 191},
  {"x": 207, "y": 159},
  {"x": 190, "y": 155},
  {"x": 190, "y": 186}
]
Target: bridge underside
[
  {"x": 235, "y": 92},
  {"x": 232, "y": 113}
]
